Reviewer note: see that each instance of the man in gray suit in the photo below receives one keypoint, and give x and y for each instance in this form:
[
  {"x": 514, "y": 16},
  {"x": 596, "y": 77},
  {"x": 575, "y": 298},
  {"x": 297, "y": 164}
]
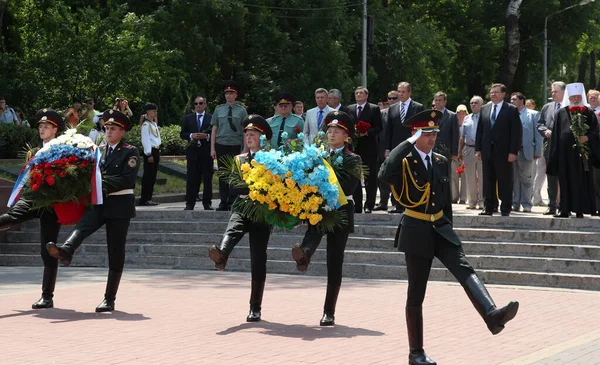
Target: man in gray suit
[
  {"x": 315, "y": 116},
  {"x": 545, "y": 126},
  {"x": 531, "y": 150}
]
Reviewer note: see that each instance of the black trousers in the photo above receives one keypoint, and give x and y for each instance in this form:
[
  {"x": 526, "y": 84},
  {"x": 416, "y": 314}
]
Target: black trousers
[
  {"x": 370, "y": 185},
  {"x": 49, "y": 227},
  {"x": 497, "y": 171},
  {"x": 259, "y": 240},
  {"x": 225, "y": 192},
  {"x": 199, "y": 170},
  {"x": 384, "y": 189},
  {"x": 552, "y": 191},
  {"x": 116, "y": 234},
  {"x": 336, "y": 245},
  {"x": 452, "y": 256},
  {"x": 149, "y": 178}
]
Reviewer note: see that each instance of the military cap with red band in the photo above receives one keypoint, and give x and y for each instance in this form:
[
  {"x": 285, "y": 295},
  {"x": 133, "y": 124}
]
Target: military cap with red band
[
  {"x": 230, "y": 86},
  {"x": 115, "y": 117},
  {"x": 50, "y": 116},
  {"x": 258, "y": 123},
  {"x": 427, "y": 121},
  {"x": 341, "y": 120}
]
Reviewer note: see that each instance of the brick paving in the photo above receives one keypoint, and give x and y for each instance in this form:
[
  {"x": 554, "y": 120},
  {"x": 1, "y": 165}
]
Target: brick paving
[{"x": 198, "y": 317}]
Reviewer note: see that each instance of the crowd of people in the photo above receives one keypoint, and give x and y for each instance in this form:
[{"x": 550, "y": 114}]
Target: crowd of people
[{"x": 421, "y": 160}]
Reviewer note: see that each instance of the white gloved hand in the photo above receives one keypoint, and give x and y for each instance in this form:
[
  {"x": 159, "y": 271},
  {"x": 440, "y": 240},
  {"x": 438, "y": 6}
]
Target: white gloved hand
[{"x": 415, "y": 136}]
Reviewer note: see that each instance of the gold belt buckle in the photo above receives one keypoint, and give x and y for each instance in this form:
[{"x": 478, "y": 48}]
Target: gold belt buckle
[{"x": 432, "y": 218}]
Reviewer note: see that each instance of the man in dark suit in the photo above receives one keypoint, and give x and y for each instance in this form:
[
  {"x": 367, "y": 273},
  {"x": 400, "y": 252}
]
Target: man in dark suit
[
  {"x": 363, "y": 111},
  {"x": 120, "y": 165},
  {"x": 497, "y": 144},
  {"x": 196, "y": 129},
  {"x": 419, "y": 179},
  {"x": 397, "y": 114},
  {"x": 545, "y": 127},
  {"x": 447, "y": 140}
]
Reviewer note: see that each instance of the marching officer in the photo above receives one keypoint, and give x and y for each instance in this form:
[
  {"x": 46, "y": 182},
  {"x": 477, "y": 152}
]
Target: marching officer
[
  {"x": 285, "y": 121},
  {"x": 420, "y": 182},
  {"x": 339, "y": 127},
  {"x": 151, "y": 143},
  {"x": 50, "y": 124},
  {"x": 254, "y": 127},
  {"x": 120, "y": 164}
]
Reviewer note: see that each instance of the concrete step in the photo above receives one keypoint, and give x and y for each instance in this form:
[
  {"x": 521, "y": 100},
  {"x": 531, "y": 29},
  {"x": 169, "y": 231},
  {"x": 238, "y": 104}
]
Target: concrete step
[
  {"x": 376, "y": 232},
  {"x": 20, "y": 243},
  {"x": 574, "y": 281},
  {"x": 352, "y": 255}
]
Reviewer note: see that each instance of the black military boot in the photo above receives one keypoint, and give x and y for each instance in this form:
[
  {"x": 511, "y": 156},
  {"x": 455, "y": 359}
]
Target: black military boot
[
  {"x": 6, "y": 222},
  {"x": 414, "y": 324},
  {"x": 482, "y": 301},
  {"x": 112, "y": 286},
  {"x": 331, "y": 297},
  {"x": 220, "y": 254},
  {"x": 64, "y": 253},
  {"x": 48, "y": 283},
  {"x": 302, "y": 253},
  {"x": 258, "y": 288}
]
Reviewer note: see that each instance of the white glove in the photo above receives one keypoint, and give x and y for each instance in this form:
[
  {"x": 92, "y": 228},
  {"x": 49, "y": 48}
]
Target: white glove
[{"x": 415, "y": 136}]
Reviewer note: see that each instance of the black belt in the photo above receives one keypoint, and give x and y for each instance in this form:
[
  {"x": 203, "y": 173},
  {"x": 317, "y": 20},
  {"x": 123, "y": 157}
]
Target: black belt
[{"x": 470, "y": 145}]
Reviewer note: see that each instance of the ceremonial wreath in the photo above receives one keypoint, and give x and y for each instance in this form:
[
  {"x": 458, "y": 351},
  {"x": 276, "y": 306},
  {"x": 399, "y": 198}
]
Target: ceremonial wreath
[{"x": 64, "y": 175}]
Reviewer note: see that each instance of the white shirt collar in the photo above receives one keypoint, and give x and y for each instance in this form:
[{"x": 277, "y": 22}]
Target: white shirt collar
[
  {"x": 423, "y": 155},
  {"x": 113, "y": 146},
  {"x": 362, "y": 105},
  {"x": 338, "y": 107},
  {"x": 200, "y": 114}
]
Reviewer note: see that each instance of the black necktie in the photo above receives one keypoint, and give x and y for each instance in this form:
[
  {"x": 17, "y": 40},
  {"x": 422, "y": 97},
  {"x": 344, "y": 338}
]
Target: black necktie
[
  {"x": 110, "y": 151},
  {"x": 230, "y": 120},
  {"x": 429, "y": 169},
  {"x": 493, "y": 118},
  {"x": 280, "y": 131},
  {"x": 359, "y": 111}
]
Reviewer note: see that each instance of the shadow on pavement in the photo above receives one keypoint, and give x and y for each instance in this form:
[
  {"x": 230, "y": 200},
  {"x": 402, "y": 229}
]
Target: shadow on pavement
[
  {"x": 57, "y": 315},
  {"x": 306, "y": 333}
]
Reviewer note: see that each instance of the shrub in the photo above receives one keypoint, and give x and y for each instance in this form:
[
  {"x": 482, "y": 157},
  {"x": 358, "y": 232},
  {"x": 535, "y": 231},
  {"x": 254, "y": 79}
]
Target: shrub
[{"x": 14, "y": 139}]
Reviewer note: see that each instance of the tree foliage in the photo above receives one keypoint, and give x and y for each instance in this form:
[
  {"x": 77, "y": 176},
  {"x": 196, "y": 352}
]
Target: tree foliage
[{"x": 167, "y": 51}]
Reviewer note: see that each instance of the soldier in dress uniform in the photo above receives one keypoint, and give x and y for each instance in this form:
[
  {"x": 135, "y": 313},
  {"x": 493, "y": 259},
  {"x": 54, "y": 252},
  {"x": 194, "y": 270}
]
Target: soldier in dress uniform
[
  {"x": 339, "y": 127},
  {"x": 151, "y": 143},
  {"x": 285, "y": 121},
  {"x": 259, "y": 233},
  {"x": 420, "y": 182},
  {"x": 50, "y": 123},
  {"x": 120, "y": 164}
]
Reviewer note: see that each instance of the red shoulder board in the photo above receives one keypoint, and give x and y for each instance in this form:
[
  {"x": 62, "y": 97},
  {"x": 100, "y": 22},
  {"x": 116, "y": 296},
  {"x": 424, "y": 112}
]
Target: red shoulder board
[{"x": 126, "y": 145}]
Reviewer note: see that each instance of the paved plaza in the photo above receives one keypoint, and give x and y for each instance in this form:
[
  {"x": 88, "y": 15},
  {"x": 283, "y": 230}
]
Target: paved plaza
[{"x": 198, "y": 317}]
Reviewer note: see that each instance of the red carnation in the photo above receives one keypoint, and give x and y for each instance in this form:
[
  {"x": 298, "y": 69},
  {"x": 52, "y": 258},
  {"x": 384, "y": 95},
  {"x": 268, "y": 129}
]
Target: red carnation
[
  {"x": 47, "y": 165},
  {"x": 85, "y": 163},
  {"x": 73, "y": 159},
  {"x": 50, "y": 180},
  {"x": 297, "y": 129},
  {"x": 363, "y": 127},
  {"x": 62, "y": 174},
  {"x": 48, "y": 172},
  {"x": 35, "y": 187},
  {"x": 577, "y": 109}
]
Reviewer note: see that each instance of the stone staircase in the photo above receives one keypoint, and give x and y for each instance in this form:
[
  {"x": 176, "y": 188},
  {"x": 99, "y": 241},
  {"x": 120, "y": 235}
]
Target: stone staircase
[{"x": 522, "y": 249}]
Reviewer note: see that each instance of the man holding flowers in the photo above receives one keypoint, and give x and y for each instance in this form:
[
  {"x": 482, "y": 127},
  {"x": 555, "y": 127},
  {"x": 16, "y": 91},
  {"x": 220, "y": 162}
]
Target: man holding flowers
[
  {"x": 49, "y": 124},
  {"x": 255, "y": 127},
  {"x": 573, "y": 150},
  {"x": 339, "y": 127},
  {"x": 119, "y": 164}
]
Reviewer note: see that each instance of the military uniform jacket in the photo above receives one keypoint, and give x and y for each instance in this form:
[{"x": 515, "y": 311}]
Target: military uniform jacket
[
  {"x": 409, "y": 183},
  {"x": 349, "y": 184},
  {"x": 119, "y": 172},
  {"x": 150, "y": 137}
]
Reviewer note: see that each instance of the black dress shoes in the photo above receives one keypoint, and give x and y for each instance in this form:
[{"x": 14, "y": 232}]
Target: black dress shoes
[
  {"x": 218, "y": 257},
  {"x": 562, "y": 215},
  {"x": 487, "y": 212},
  {"x": 208, "y": 207},
  {"x": 253, "y": 316},
  {"x": 106, "y": 306},
  {"x": 579, "y": 215},
  {"x": 301, "y": 257},
  {"x": 63, "y": 256},
  {"x": 550, "y": 211},
  {"x": 367, "y": 210},
  {"x": 222, "y": 208},
  {"x": 43, "y": 303},
  {"x": 419, "y": 357},
  {"x": 505, "y": 214},
  {"x": 148, "y": 203},
  {"x": 327, "y": 320},
  {"x": 394, "y": 211},
  {"x": 380, "y": 207}
]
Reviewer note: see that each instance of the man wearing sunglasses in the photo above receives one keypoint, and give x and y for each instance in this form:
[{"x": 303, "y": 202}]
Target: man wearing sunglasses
[{"x": 196, "y": 129}]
